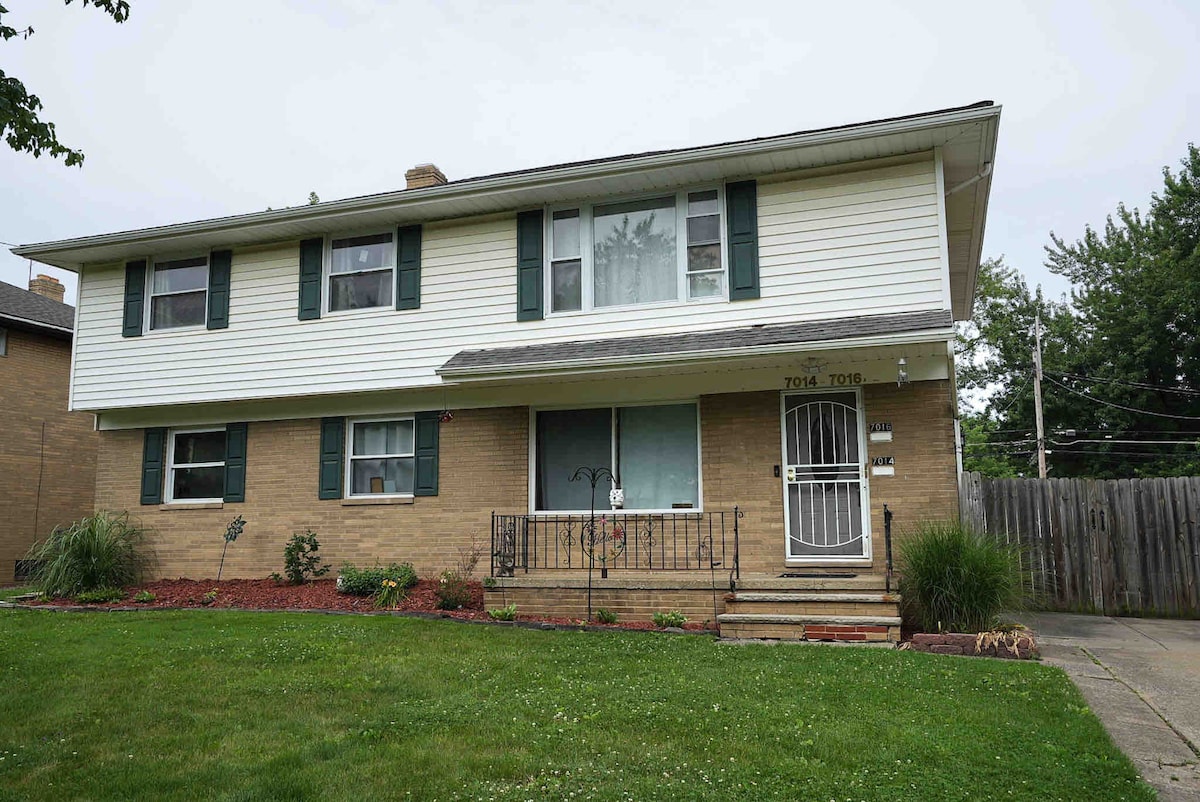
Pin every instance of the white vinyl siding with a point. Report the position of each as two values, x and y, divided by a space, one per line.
831 246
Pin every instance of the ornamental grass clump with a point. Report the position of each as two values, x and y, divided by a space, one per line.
956 580
101 551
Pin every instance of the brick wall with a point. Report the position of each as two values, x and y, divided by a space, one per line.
484 467
484 458
33 390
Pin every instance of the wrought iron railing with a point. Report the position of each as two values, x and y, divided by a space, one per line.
661 541
887 547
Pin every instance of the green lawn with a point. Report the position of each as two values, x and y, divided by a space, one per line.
240 706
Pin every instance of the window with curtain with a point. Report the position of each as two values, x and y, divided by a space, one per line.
361 271
381 457
179 293
652 450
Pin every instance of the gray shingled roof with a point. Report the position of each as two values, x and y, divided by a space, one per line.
34 310
624 348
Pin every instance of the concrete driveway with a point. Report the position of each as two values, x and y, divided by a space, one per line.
1142 678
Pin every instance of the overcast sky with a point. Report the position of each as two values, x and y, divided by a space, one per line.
203 108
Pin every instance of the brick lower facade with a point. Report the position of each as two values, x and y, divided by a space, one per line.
46 478
484 467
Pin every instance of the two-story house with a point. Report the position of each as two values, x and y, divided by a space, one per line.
763 325
47 455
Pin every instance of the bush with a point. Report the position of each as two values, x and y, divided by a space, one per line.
300 561
389 594
453 591
674 618
100 596
955 580
506 613
103 550
367 581
605 616
144 597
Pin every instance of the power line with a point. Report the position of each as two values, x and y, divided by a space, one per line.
1125 442
1119 406
1141 385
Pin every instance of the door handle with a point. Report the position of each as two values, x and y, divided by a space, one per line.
791 474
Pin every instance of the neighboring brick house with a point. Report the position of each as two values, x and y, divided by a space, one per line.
765 324
47 454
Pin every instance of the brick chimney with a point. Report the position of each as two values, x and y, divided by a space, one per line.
47 287
424 175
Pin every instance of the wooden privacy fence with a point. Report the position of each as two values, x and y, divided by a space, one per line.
1118 546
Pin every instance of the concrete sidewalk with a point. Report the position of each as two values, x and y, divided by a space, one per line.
1141 676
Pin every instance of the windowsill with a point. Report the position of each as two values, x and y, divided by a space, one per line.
366 310
192 505
599 310
362 501
149 332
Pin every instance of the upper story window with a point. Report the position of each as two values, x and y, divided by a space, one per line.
3 342
381 457
196 465
178 293
649 250
361 271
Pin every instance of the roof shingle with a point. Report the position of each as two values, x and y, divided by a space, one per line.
33 309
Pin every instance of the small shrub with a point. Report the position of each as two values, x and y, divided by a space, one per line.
100 596
453 591
235 528
104 550
673 618
606 616
209 598
955 580
506 613
489 582
367 581
300 562
389 594
144 597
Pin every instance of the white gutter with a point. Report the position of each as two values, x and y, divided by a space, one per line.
30 322
507 183
534 369
987 170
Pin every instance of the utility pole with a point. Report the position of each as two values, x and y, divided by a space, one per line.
1037 395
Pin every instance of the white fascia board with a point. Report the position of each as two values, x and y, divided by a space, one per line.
58 253
24 321
607 364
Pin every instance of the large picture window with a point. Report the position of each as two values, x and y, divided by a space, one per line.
649 250
179 293
381 457
653 451
196 465
361 271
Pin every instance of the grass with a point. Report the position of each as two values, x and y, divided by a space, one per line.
245 706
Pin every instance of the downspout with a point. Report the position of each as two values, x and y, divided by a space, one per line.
987 170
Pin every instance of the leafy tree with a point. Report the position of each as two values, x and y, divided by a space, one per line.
20 124
313 199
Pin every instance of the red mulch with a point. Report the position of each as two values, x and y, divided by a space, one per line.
321 594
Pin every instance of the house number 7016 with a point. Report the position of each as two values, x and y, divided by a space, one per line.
832 380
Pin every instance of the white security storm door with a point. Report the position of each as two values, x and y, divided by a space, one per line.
824 484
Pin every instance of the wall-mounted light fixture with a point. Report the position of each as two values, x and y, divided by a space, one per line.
812 366
902 372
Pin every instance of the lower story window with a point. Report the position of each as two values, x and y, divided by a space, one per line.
196 470
653 452
381 461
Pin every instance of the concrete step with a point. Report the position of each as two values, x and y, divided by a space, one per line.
802 620
817 608
810 596
847 584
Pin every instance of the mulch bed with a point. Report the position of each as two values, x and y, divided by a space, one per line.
318 595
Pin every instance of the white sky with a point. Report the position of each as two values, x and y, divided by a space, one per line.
202 108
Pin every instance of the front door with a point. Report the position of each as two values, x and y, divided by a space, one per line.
825 481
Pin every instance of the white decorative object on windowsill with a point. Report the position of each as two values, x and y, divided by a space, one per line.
616 498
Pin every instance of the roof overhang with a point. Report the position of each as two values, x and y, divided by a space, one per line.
966 137
25 324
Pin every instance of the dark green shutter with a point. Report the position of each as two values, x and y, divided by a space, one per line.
219 266
426 482
135 297
312 251
235 462
741 202
408 267
153 462
333 434
529 265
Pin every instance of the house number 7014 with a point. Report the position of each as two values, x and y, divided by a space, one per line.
832 380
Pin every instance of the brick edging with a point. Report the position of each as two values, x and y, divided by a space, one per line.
1010 646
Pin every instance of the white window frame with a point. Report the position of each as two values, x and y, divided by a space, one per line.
602 504
348 449
169 491
148 313
327 273
587 251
